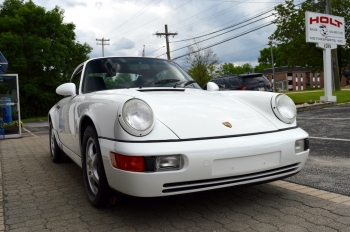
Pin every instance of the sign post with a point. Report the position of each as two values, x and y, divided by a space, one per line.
327 31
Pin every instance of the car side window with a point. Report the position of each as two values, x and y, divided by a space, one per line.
234 81
76 79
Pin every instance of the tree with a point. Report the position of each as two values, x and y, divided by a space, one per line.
229 69
41 49
265 59
290 33
200 63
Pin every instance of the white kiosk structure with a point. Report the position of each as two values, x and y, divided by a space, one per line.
10 115
327 31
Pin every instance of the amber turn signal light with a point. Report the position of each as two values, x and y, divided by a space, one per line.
128 163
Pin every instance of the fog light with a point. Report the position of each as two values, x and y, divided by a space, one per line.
299 146
168 163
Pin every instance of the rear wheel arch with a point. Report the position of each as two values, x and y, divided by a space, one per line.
50 120
57 155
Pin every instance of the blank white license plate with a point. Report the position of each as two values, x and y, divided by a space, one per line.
246 164
261 89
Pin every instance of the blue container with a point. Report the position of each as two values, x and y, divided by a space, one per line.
6 111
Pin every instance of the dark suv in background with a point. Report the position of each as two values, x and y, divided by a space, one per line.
252 81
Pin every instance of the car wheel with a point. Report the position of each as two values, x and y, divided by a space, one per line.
57 155
94 175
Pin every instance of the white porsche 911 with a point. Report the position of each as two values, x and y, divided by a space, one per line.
142 127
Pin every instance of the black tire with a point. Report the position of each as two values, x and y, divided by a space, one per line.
57 155
95 180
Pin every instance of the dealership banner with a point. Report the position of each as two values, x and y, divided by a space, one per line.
323 28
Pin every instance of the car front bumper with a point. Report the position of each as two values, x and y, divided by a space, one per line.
209 164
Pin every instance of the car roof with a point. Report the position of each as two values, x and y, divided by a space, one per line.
139 57
242 75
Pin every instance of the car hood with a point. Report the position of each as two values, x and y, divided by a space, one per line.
193 113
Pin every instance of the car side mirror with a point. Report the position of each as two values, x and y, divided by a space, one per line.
211 86
67 89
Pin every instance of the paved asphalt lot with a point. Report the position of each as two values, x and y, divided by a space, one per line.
38 195
328 166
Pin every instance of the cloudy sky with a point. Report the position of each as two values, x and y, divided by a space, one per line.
131 24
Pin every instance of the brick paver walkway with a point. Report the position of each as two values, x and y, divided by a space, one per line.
38 195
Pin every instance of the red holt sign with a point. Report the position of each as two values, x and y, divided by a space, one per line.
326 20
322 28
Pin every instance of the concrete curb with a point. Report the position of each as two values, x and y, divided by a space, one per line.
325 195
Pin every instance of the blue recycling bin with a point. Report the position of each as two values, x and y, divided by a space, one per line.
6 110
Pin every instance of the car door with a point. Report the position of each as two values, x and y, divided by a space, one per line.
68 129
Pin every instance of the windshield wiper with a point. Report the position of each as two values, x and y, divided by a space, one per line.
178 82
184 83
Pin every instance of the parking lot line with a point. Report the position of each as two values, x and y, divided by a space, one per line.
313 118
29 132
335 139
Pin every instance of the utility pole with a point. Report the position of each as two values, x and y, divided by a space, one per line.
166 35
103 44
336 73
273 68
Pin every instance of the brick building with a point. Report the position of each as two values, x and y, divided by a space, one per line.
297 78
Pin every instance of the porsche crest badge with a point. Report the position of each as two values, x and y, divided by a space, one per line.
227 124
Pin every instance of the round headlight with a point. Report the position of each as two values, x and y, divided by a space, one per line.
284 108
136 117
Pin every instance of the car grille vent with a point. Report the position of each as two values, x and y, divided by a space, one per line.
234 180
161 89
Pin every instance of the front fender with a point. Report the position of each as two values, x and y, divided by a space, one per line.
261 102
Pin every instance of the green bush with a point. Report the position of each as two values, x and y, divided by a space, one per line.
13 124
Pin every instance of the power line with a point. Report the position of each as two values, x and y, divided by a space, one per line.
181 21
207 18
241 1
157 49
199 21
222 33
225 40
230 38
269 8
242 51
226 28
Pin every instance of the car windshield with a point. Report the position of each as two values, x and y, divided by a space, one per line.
120 73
